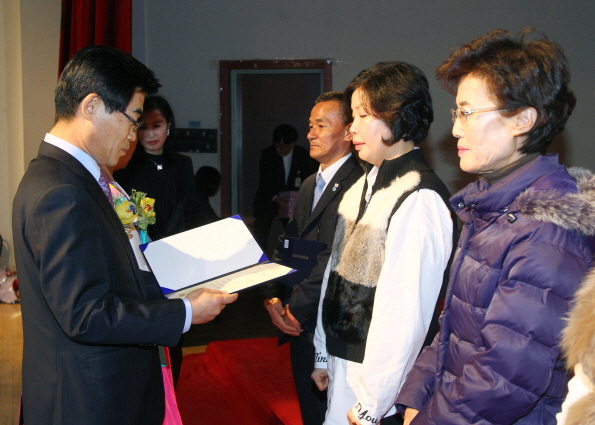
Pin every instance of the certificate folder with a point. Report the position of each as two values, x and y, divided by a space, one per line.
302 255
222 255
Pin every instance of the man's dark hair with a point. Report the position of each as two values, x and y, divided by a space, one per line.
284 133
526 70
346 116
207 180
398 94
111 73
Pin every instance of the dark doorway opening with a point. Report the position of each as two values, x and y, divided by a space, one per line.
255 97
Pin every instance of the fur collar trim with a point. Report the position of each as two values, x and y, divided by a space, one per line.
574 211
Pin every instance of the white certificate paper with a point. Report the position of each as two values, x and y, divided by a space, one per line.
222 255
239 280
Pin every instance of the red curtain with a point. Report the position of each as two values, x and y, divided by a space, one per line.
94 22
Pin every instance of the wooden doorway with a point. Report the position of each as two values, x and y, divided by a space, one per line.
255 97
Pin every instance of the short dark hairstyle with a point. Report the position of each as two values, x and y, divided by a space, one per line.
207 180
111 73
346 116
526 70
397 93
284 133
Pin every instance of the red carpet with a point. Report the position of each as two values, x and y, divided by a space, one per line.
247 381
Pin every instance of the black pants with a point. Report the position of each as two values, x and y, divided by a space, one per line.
312 401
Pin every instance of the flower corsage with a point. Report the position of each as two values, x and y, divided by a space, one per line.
138 210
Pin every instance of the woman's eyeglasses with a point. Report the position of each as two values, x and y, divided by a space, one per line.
463 113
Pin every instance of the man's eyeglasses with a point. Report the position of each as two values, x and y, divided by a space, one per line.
137 124
463 113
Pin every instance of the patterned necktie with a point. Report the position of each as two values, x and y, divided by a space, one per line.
104 182
318 191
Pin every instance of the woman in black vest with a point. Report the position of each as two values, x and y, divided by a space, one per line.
391 248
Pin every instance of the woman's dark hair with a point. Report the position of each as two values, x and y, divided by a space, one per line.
111 73
398 94
158 103
526 70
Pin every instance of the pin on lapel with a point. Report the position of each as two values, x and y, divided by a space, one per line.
335 186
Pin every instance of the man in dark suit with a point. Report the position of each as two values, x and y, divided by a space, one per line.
90 328
283 167
315 218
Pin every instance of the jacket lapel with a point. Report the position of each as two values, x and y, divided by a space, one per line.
333 188
103 205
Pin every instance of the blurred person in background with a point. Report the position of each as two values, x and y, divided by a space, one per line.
160 172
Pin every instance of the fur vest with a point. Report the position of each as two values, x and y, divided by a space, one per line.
358 254
579 345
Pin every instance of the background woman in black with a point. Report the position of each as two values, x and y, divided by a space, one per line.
166 176
161 173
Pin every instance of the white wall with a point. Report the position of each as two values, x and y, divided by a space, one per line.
185 40
29 47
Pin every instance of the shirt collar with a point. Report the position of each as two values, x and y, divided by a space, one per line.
330 171
81 156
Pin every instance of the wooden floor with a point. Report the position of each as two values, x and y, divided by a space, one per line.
246 318
11 351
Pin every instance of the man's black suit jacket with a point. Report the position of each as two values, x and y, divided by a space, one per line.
272 178
318 225
90 331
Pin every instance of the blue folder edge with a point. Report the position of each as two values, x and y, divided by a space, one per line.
262 259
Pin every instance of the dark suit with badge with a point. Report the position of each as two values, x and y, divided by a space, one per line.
303 298
90 328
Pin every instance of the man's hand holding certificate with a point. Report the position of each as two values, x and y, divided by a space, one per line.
221 256
208 303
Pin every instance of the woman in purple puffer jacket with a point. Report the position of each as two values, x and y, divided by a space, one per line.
527 240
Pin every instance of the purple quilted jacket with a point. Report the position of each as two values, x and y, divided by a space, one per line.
526 242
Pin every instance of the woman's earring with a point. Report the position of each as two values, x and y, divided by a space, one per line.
168 131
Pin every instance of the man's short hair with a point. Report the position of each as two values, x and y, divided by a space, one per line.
526 70
284 133
345 110
397 93
111 73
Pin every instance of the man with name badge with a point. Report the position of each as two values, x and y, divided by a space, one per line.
293 310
